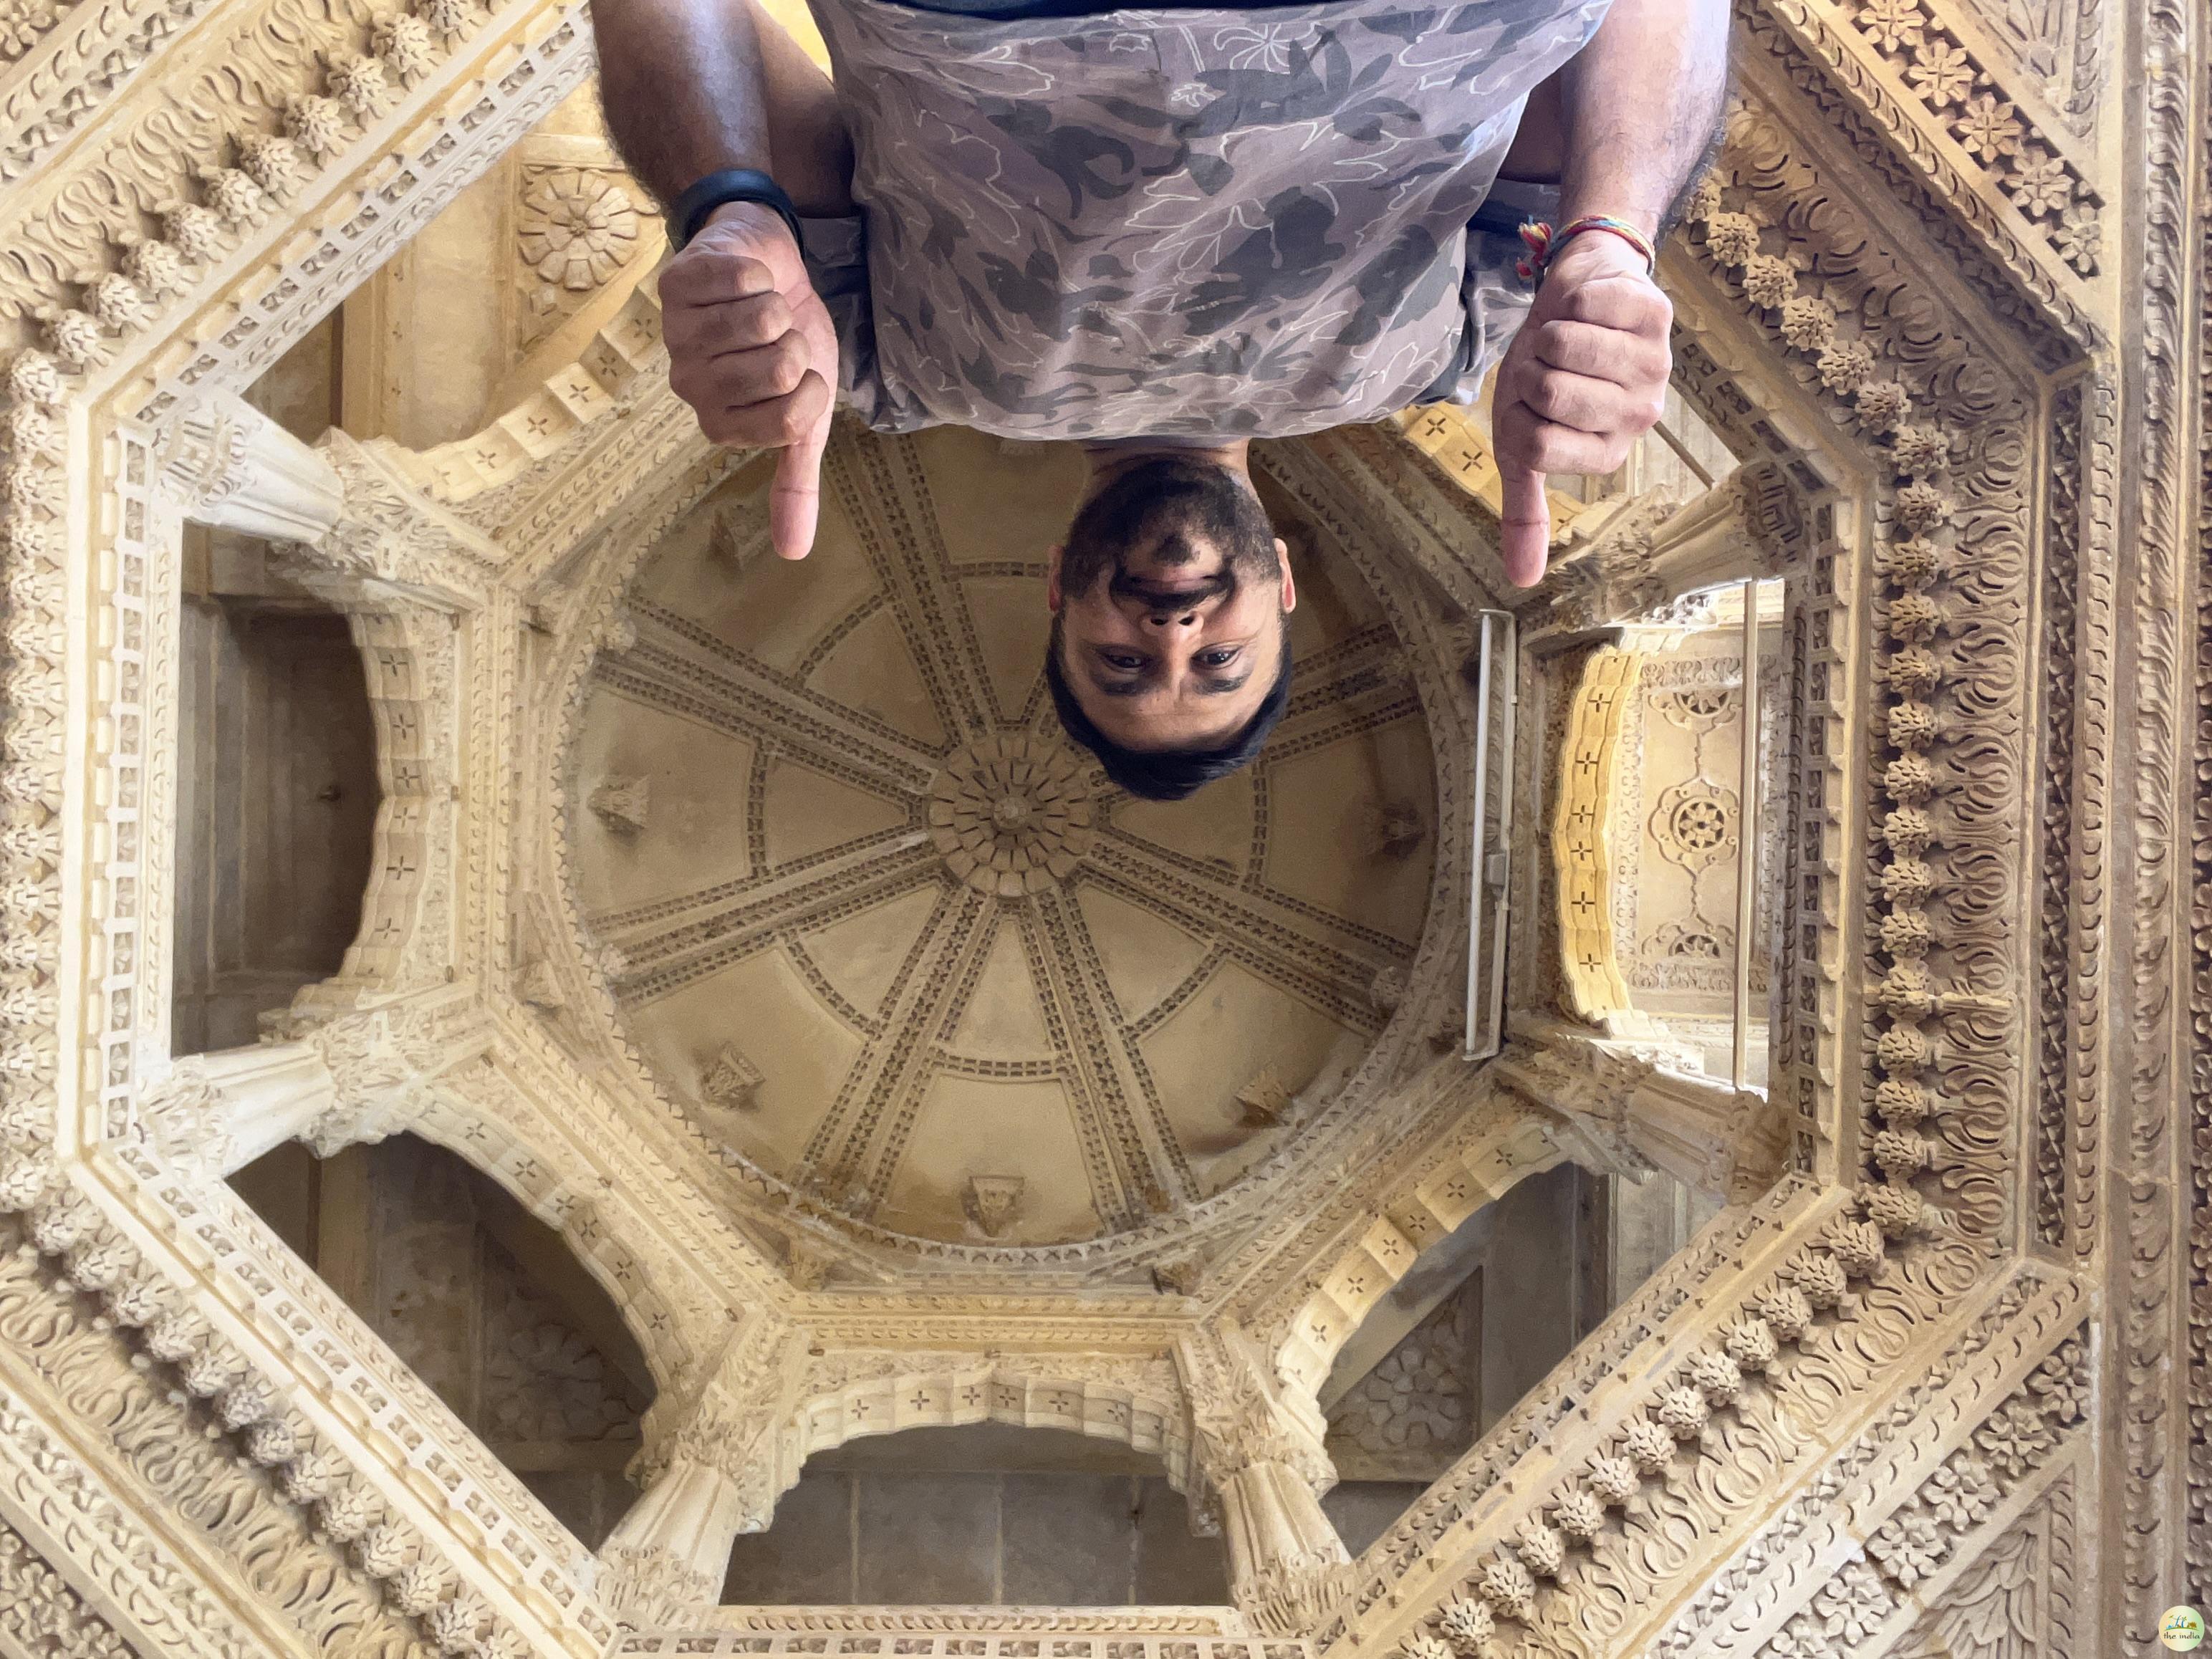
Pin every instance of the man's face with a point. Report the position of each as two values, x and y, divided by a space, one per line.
1173 639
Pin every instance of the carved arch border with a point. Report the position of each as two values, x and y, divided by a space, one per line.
1492 1146
1114 1401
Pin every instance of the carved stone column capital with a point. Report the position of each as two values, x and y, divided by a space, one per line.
381 1061
184 1115
227 463
1649 551
644 1588
1642 1105
390 533
667 1556
1241 1415
732 1421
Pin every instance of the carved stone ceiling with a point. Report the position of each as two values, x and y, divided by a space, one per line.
887 937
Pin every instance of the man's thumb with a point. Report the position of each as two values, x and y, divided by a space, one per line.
1524 525
794 500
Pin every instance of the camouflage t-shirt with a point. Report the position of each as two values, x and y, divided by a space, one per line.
1193 222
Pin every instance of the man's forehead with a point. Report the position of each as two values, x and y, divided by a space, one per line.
1175 545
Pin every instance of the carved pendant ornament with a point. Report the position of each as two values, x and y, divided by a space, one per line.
753 928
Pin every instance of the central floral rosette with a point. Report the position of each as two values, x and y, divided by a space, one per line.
1011 814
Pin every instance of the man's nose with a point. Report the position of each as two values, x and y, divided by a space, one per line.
1165 618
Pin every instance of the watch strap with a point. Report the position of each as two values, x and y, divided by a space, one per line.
689 210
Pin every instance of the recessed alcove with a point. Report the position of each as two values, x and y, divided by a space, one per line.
276 810
482 1301
984 1515
1481 1318
276 775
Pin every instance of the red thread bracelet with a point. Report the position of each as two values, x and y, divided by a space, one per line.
1544 243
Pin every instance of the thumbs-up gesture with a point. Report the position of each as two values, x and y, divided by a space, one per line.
751 349
1584 378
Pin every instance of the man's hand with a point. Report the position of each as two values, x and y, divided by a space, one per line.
1584 378
751 349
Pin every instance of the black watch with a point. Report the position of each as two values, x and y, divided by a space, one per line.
689 210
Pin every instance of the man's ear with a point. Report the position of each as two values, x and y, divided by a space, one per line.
1052 579
1290 582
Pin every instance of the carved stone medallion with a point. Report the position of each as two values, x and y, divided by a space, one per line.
1011 814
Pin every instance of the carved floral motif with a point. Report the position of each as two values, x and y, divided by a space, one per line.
578 226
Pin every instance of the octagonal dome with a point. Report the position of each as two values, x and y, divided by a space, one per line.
886 937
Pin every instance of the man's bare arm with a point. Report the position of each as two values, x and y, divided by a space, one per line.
681 83
1641 103
1586 374
691 86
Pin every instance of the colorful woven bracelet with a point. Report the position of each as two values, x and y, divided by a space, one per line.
1544 243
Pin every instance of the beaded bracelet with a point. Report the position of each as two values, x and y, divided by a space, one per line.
1544 243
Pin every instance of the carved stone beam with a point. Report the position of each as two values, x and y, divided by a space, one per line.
224 463
1260 1448
391 538
1645 1105
213 1113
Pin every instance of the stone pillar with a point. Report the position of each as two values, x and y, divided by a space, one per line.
331 1083
231 466
713 1463
1286 1565
668 1556
1261 1451
216 1113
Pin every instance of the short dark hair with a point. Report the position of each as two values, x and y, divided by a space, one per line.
1167 773
1171 499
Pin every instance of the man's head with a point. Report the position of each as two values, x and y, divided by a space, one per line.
1171 655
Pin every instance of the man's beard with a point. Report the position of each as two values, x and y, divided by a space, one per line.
1169 505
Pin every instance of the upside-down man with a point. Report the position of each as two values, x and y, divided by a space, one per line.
1162 233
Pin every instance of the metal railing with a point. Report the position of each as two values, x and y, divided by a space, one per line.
1490 862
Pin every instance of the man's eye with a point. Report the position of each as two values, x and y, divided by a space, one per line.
1220 658
1128 665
